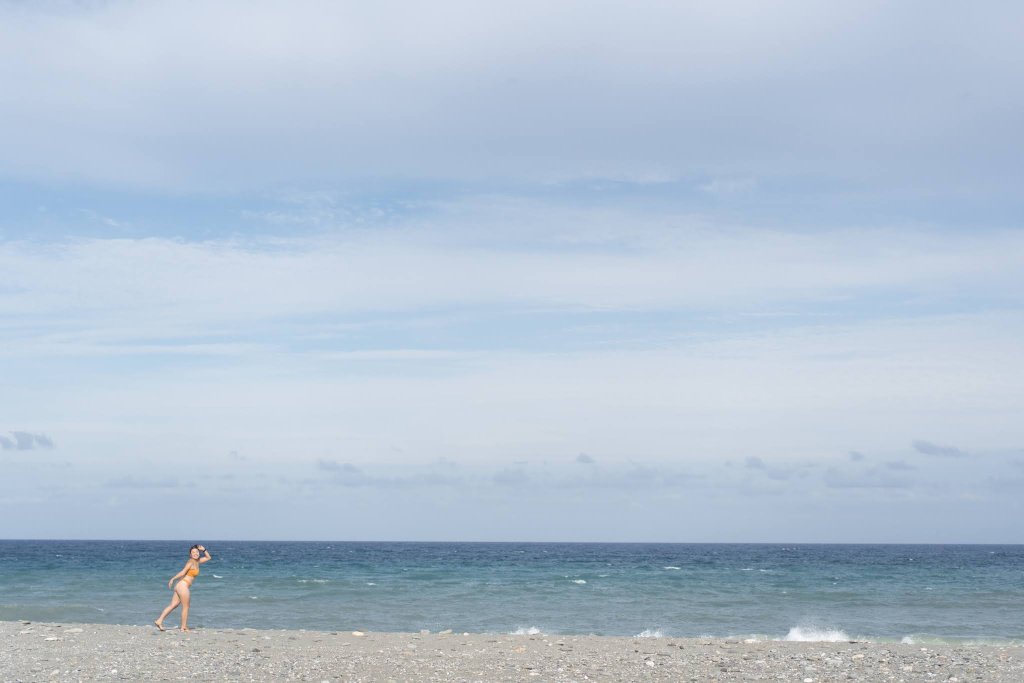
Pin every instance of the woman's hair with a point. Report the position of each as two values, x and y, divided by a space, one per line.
195 547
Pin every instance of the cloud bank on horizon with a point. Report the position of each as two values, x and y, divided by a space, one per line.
440 272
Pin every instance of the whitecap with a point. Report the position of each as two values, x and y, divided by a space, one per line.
808 634
370 583
527 631
670 568
579 581
747 569
314 580
648 633
217 576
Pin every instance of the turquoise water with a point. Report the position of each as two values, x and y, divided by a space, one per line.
872 592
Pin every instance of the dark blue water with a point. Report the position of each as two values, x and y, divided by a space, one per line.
877 592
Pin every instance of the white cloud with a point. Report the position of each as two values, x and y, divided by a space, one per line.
404 335
793 395
232 94
871 479
726 187
88 294
24 441
357 335
929 448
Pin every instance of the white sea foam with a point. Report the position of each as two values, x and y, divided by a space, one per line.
579 581
907 640
217 576
809 634
648 633
314 580
670 568
527 631
370 583
747 569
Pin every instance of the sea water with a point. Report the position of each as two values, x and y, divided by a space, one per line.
911 593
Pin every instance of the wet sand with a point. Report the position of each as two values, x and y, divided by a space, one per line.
87 652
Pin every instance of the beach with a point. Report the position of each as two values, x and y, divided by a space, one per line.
71 652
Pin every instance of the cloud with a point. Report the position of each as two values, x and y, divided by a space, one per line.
511 477
636 477
855 456
1004 484
152 296
727 187
335 466
453 92
929 448
347 474
776 473
899 466
135 483
872 479
25 441
440 158
520 477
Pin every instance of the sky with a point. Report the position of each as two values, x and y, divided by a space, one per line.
584 271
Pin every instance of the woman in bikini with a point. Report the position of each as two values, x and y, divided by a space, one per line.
181 591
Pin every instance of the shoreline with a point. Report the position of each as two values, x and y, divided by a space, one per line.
72 652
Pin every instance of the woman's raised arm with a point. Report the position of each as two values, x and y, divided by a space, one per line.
205 558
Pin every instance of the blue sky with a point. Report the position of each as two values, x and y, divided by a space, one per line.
593 271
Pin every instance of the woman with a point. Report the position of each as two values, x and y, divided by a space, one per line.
181 591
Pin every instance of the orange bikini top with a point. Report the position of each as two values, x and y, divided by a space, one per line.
193 572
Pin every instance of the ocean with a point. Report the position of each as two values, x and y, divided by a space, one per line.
909 593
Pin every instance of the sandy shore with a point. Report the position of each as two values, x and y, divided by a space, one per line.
71 652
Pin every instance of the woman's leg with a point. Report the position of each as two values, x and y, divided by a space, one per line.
182 590
175 600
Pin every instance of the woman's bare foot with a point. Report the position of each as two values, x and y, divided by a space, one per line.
159 625
186 628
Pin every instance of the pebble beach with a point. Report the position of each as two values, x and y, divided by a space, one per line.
91 652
